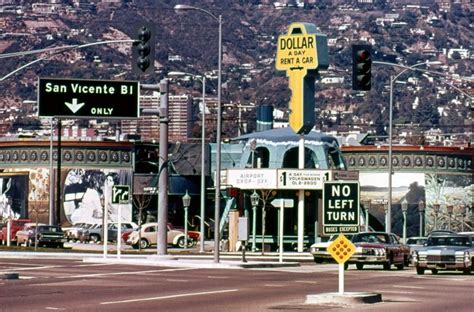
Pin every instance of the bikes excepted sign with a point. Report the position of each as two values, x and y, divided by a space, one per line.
340 207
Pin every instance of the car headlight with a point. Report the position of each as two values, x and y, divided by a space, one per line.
467 257
380 252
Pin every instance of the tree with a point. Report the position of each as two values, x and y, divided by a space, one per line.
141 201
426 114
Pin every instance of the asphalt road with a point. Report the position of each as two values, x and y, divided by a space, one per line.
73 285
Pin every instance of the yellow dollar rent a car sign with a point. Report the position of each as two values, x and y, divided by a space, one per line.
297 51
300 53
341 249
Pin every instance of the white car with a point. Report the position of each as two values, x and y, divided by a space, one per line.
319 250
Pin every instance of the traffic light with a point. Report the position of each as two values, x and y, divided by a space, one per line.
361 67
143 51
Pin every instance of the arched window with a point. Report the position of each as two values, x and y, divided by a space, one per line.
290 160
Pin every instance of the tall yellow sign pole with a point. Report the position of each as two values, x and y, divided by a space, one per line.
300 53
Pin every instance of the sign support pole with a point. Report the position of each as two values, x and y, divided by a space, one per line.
301 196
119 230
341 279
282 213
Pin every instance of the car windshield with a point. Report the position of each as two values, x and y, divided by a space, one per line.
46 228
449 241
416 241
370 238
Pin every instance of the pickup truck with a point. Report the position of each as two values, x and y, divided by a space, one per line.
379 248
15 226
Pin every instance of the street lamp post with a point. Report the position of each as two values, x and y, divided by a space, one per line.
421 210
388 215
449 209
219 125
404 211
186 203
203 156
463 215
254 201
369 202
436 211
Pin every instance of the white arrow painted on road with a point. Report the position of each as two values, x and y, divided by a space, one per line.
74 106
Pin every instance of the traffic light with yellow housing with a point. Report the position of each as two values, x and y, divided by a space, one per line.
361 67
143 51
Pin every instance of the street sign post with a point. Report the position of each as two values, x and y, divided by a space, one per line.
120 195
282 203
79 98
340 207
341 249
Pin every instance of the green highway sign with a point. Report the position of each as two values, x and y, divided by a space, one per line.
120 194
79 98
340 207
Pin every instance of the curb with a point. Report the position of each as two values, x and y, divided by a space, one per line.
347 298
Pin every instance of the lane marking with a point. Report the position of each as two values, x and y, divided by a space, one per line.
396 292
442 278
273 285
32 268
409 287
217 277
93 264
124 273
306 282
176 280
54 308
171 296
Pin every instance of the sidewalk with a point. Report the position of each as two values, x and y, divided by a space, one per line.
191 258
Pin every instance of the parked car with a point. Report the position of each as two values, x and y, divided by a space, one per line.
72 233
319 250
147 236
378 248
15 226
94 234
415 243
445 252
45 235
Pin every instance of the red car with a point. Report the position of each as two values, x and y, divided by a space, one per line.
15 226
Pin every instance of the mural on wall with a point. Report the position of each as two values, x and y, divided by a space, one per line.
455 190
449 190
409 186
13 195
84 192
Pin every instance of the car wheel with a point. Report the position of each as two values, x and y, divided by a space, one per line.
434 271
346 265
400 266
318 260
387 265
407 261
359 266
420 271
180 242
94 238
60 245
144 243
466 271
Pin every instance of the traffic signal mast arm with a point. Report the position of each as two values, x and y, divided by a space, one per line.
62 49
